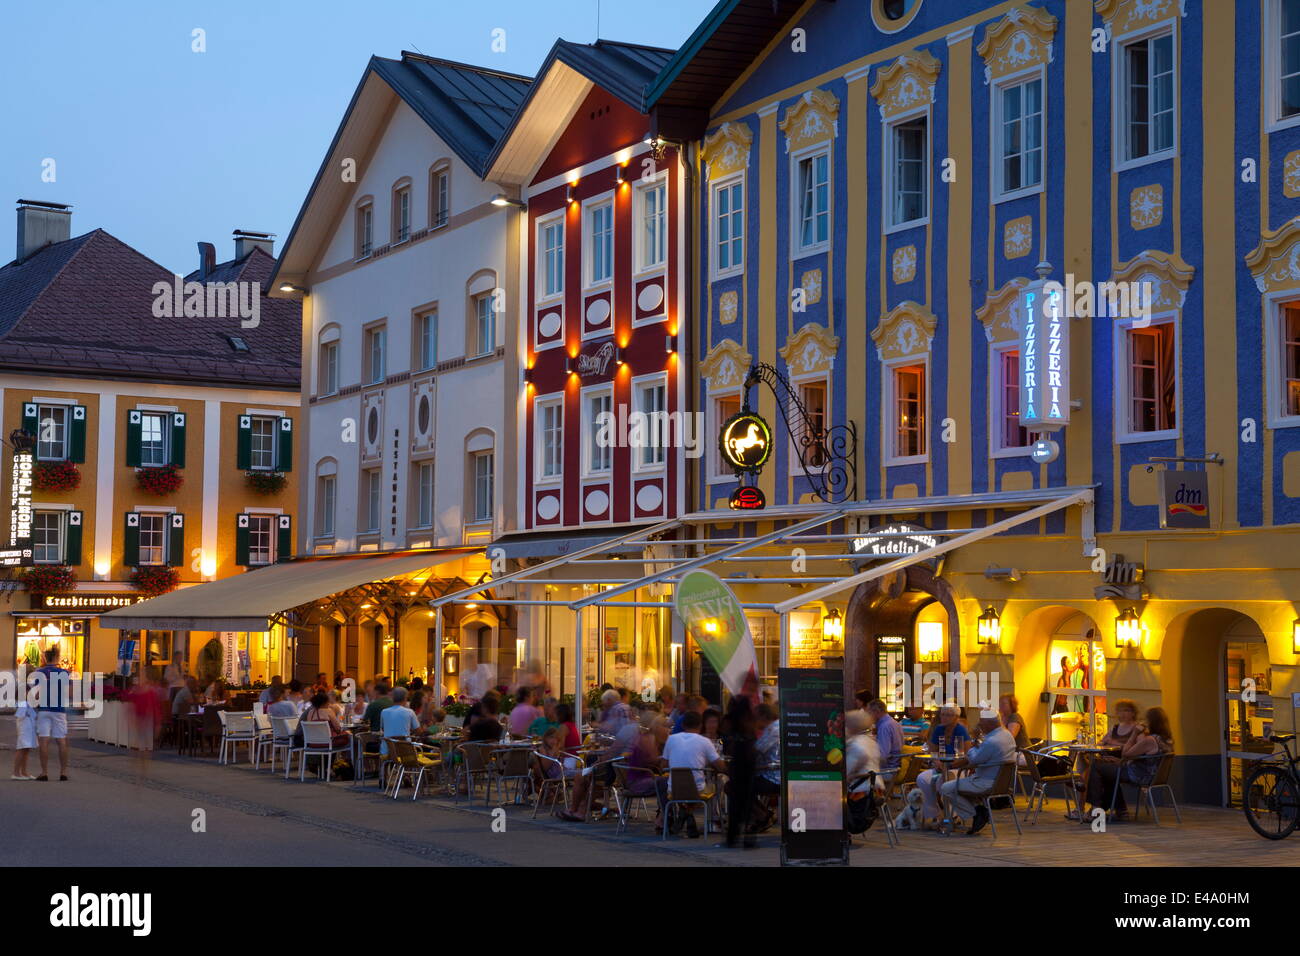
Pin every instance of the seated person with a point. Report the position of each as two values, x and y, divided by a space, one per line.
487 725
997 747
861 752
187 698
914 723
1142 746
216 692
545 720
399 720
601 769
319 709
691 750
279 707
947 736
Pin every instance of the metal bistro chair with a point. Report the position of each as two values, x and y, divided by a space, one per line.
363 757
318 742
474 765
883 810
1003 786
238 729
1038 783
408 761
1146 791
624 795
509 766
280 740
545 785
683 792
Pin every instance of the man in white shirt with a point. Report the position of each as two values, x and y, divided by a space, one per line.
691 750
997 748
398 720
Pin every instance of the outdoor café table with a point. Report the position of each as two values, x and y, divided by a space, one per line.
1081 757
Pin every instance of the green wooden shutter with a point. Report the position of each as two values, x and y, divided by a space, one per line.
131 540
77 434
31 414
284 539
241 540
284 447
244 453
176 541
133 438
178 439
72 539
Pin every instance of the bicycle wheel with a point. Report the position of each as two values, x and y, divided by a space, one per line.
1271 800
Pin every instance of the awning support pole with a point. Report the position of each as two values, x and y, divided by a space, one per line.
579 697
438 686
785 639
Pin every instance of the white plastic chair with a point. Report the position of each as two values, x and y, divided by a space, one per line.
318 741
279 739
237 729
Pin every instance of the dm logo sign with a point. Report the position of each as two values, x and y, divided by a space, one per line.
745 442
1184 499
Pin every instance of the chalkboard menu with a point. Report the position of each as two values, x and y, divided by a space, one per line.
812 765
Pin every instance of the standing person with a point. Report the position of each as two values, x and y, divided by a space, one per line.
890 738
767 781
25 723
52 714
743 768
995 749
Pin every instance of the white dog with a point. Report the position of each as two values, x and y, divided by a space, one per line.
909 818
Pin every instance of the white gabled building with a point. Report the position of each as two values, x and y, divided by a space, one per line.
408 273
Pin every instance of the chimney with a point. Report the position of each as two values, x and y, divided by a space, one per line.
207 259
246 242
40 224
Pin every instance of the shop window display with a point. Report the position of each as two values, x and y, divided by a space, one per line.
1248 719
1076 681
37 635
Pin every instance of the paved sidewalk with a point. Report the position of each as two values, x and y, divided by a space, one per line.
108 815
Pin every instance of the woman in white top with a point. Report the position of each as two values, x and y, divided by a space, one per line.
861 752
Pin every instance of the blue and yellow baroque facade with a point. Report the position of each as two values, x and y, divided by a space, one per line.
1209 221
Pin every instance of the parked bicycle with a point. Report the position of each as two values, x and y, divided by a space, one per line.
1271 792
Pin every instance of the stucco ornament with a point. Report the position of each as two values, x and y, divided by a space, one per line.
904 264
906 83
1021 39
1146 206
1165 274
1122 16
1291 175
728 307
1017 237
813 119
811 349
997 314
1275 263
726 365
905 330
811 283
726 149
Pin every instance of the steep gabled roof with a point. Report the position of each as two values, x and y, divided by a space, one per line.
569 71
84 306
469 107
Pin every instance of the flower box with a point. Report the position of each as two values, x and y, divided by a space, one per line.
265 482
55 477
160 481
49 578
155 579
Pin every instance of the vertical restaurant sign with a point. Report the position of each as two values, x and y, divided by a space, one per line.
713 616
812 765
1044 358
229 652
1184 499
20 505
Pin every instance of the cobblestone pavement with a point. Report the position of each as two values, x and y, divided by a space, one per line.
118 809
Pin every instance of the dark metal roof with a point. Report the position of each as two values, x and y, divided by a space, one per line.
723 46
468 106
624 69
84 307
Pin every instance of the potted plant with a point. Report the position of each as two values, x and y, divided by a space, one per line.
155 579
55 476
265 482
162 480
49 578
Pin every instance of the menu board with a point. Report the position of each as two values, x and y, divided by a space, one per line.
812 765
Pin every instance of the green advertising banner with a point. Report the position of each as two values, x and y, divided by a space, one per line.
716 620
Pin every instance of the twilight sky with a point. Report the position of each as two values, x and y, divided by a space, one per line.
164 147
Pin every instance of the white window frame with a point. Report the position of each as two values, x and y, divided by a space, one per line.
553 400
997 408
718 472
728 183
1273 70
998 188
589 427
421 469
797 385
61 535
1121 360
329 367
640 241
640 385
1275 386
545 223
373 486
375 334
887 180
480 324
162 517
275 442
429 318
66 440
811 154
165 434
890 431
271 534
589 211
1119 96
485 515
327 488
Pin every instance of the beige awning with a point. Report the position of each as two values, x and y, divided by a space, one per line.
248 601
